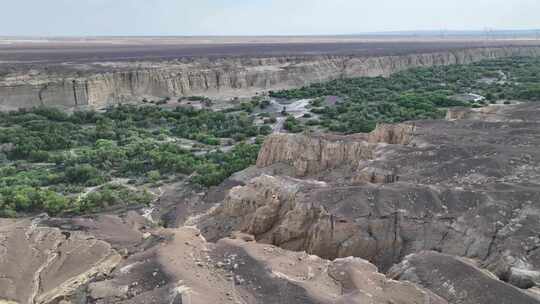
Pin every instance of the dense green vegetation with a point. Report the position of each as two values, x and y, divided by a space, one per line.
418 93
292 125
47 157
88 161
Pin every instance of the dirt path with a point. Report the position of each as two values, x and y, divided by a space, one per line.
297 109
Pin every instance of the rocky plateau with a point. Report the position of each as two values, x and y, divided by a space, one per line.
105 83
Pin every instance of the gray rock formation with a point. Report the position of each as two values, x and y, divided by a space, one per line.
41 264
466 188
316 153
44 264
224 77
187 269
456 280
313 154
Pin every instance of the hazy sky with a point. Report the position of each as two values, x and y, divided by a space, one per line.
259 17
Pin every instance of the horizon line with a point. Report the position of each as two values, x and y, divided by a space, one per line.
435 32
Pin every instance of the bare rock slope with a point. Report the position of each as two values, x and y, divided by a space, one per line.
40 263
444 275
467 188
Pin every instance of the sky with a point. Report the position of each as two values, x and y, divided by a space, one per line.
259 17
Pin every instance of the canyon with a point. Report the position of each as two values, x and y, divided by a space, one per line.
101 83
438 211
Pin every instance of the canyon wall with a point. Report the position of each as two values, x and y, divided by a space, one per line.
315 153
220 77
311 155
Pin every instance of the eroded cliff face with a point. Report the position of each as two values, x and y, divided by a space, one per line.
381 224
309 155
224 77
465 188
313 154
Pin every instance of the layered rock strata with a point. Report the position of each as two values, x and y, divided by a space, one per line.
312 154
223 77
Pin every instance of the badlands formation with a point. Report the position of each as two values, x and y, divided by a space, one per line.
423 195
431 211
421 212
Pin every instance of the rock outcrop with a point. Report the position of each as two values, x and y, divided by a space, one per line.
381 223
465 188
491 113
187 269
41 264
457 281
221 77
313 154
49 265
394 134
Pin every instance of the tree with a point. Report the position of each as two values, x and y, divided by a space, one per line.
293 125
54 203
153 176
105 129
83 174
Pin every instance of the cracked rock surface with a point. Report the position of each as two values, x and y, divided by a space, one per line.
39 264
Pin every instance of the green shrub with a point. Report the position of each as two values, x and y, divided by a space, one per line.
84 174
291 124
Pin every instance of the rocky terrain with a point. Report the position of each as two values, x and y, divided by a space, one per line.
438 273
465 188
108 260
427 211
434 211
101 83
